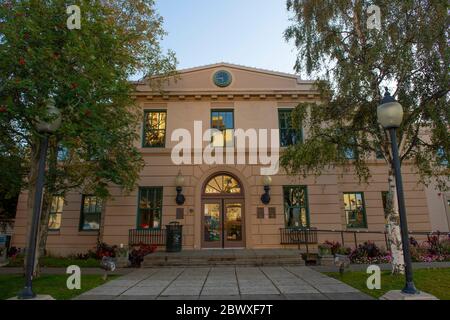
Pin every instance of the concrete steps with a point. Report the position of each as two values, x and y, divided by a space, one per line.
276 257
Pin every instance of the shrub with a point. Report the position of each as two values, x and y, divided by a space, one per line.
369 253
137 255
335 248
104 250
13 252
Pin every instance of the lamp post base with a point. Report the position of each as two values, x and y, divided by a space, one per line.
399 295
410 288
26 294
37 297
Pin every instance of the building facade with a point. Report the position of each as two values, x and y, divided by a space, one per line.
223 206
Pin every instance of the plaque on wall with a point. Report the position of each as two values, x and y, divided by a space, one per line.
180 213
260 213
272 213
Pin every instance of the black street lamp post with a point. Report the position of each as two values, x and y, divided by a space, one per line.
45 129
390 116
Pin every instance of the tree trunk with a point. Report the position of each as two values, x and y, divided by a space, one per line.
393 227
41 243
43 232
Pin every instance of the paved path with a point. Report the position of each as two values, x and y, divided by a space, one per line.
225 283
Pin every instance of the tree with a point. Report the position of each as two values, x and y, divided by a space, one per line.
12 171
86 71
409 54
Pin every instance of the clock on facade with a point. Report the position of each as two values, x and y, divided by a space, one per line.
222 78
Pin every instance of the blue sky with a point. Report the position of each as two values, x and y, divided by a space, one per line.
247 32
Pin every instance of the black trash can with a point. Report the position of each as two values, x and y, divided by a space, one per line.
174 237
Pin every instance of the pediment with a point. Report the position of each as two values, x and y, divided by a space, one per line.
243 79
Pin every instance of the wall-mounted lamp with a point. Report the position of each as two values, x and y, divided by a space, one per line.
265 198
179 182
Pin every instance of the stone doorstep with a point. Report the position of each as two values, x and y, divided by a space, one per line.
37 298
398 295
148 264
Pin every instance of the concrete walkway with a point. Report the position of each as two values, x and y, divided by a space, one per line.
225 283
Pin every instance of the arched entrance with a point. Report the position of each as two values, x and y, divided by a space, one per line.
223 212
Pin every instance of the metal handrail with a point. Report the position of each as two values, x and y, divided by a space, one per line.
286 233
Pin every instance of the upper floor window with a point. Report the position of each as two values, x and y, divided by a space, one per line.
63 153
288 134
355 210
441 157
296 206
150 207
379 154
55 215
223 120
154 129
91 211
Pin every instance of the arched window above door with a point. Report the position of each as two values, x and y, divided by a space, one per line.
223 184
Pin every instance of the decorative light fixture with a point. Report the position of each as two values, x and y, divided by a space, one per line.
45 128
390 112
265 198
390 116
54 116
179 182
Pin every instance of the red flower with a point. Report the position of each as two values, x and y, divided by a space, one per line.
74 85
3 109
22 61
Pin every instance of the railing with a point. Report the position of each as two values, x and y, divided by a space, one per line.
299 236
147 236
309 236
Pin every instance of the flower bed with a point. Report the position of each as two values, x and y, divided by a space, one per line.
434 249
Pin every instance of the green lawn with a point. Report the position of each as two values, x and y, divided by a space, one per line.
433 281
54 285
56 262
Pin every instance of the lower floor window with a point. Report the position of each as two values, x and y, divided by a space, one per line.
91 212
355 211
150 208
296 207
55 214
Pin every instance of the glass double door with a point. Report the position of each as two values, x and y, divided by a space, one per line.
223 223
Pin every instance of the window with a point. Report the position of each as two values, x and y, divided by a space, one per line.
288 135
379 154
349 150
56 209
441 157
63 153
154 129
223 120
223 184
355 211
150 208
91 211
296 207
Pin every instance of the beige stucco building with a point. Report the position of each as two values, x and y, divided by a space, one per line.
223 206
